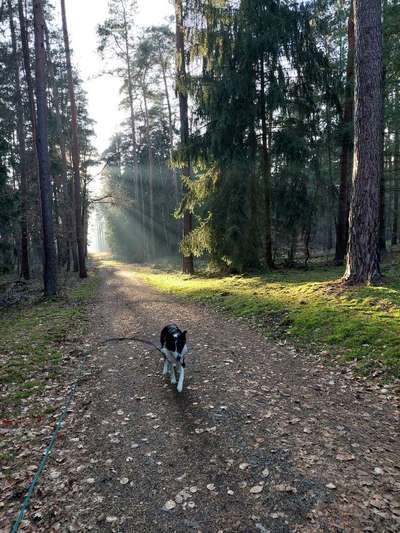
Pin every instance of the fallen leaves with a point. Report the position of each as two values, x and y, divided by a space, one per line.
285 487
257 488
169 505
265 452
345 457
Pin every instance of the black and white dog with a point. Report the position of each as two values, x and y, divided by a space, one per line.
173 346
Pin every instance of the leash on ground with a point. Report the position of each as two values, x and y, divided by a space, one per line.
59 424
144 341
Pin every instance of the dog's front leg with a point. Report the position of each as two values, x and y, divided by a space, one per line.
165 369
172 373
179 387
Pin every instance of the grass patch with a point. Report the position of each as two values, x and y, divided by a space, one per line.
31 337
359 324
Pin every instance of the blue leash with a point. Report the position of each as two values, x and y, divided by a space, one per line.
60 422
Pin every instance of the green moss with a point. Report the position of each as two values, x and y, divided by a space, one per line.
31 335
361 324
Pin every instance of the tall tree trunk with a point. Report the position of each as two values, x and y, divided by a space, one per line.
170 126
396 187
362 258
73 243
28 74
74 150
50 257
181 87
33 168
251 238
85 214
22 152
266 165
67 208
382 218
342 227
151 168
140 194
58 228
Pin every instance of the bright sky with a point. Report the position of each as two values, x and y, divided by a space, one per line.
103 92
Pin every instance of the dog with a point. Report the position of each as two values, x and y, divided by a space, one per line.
173 346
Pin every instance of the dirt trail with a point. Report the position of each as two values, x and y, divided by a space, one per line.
261 440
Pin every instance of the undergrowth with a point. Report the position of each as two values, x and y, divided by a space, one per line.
360 325
31 337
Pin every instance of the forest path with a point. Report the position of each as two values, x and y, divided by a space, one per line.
261 439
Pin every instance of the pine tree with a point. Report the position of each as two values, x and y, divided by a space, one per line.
25 271
50 257
181 89
79 226
362 259
346 156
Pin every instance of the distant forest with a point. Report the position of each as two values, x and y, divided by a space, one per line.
257 148
257 133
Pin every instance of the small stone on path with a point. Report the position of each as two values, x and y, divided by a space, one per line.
169 505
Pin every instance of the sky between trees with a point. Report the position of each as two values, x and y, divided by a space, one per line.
103 91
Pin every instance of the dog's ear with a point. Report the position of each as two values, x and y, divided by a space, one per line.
184 333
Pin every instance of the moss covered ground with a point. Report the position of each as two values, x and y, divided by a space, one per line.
359 325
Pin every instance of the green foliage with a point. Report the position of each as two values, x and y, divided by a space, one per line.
361 324
13 105
245 47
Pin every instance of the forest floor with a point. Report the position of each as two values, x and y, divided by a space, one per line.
264 437
359 327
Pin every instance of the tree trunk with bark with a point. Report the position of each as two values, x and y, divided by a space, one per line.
170 126
32 162
362 264
187 261
342 227
137 173
28 74
67 208
75 150
266 165
382 215
396 188
50 256
150 157
25 272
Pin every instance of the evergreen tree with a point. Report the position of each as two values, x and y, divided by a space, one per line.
362 259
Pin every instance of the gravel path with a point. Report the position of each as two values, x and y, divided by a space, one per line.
262 439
